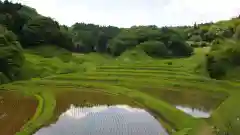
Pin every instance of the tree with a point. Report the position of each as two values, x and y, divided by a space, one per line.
152 37
90 37
179 47
9 16
195 26
117 47
222 58
209 36
41 30
154 48
196 38
27 12
102 42
11 55
85 40
65 39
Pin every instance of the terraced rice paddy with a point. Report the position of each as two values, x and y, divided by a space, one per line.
173 91
15 111
84 98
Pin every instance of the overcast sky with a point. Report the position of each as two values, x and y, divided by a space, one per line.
125 13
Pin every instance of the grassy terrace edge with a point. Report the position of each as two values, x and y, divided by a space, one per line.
44 110
43 90
46 99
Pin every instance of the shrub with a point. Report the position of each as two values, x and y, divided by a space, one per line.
222 58
196 38
154 48
169 63
216 68
179 47
118 46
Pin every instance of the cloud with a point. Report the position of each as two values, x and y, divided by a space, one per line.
190 11
125 13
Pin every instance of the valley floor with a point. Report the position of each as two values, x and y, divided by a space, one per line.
147 82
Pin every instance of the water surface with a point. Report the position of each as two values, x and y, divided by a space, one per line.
15 111
195 112
104 120
88 98
196 103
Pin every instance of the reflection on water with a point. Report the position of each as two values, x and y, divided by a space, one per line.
197 113
104 120
197 103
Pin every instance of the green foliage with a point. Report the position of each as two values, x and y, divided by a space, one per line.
27 13
46 60
50 51
145 33
209 36
85 41
89 37
154 48
223 57
216 69
237 33
179 47
133 55
209 32
134 74
9 16
117 46
129 38
196 38
198 44
65 39
11 55
3 78
122 42
40 30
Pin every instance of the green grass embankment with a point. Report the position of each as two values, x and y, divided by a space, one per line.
44 110
133 78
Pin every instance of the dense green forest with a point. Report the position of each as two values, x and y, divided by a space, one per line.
23 27
193 64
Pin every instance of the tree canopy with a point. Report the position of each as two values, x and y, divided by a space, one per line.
23 26
135 36
91 38
40 30
11 55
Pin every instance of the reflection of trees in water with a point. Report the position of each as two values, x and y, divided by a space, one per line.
87 99
202 100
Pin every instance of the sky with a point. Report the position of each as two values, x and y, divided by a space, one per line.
126 13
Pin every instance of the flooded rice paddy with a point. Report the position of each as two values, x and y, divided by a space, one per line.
197 113
104 120
199 104
15 111
97 113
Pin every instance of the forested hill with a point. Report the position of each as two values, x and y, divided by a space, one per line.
21 27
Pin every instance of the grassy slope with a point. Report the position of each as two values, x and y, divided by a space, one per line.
98 72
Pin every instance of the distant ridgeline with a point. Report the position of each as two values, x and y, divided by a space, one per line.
21 27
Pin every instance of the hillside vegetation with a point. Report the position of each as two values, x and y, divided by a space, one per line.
42 59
